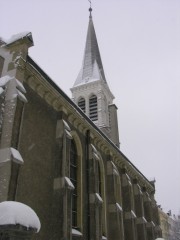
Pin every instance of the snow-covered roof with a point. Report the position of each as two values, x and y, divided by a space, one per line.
17 37
18 213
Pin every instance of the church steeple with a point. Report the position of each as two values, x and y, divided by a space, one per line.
91 91
92 67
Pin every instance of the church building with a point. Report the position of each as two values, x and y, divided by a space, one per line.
61 156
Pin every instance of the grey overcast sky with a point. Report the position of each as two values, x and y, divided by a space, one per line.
139 42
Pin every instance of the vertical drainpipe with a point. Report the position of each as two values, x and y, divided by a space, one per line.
87 181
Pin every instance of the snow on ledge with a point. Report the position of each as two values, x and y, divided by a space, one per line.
17 37
18 213
8 154
76 232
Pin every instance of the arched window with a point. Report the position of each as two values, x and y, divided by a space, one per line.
93 113
73 178
82 104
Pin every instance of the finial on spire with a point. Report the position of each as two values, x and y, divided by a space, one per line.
90 9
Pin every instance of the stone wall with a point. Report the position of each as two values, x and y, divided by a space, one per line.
114 200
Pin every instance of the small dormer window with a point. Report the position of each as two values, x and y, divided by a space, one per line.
82 105
93 113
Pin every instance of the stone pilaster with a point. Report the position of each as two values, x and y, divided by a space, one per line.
63 187
95 200
11 110
13 92
115 212
114 124
150 226
128 207
155 217
139 210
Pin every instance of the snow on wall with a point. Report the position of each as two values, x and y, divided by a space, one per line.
8 154
18 213
14 88
4 80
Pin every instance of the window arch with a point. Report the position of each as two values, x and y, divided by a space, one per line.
93 108
82 104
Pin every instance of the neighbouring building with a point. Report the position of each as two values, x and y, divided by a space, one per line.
61 157
170 225
164 224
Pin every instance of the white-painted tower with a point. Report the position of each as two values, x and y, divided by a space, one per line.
91 91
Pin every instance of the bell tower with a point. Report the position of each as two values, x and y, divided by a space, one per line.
91 91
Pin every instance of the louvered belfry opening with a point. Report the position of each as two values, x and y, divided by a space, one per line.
82 104
93 113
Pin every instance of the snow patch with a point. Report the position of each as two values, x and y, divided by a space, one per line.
104 238
98 197
16 156
18 213
69 183
16 37
76 232
6 154
14 88
4 80
20 86
21 96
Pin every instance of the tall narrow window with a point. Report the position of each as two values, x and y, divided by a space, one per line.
93 113
1 65
73 177
82 105
99 183
100 190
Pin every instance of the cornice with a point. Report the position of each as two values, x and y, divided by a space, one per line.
44 89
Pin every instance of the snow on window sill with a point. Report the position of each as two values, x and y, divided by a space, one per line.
76 232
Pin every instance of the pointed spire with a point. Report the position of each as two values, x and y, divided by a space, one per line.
92 67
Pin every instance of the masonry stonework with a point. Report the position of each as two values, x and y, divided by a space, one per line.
59 162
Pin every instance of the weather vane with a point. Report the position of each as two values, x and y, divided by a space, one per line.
90 3
90 9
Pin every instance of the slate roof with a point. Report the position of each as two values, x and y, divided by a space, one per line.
92 68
